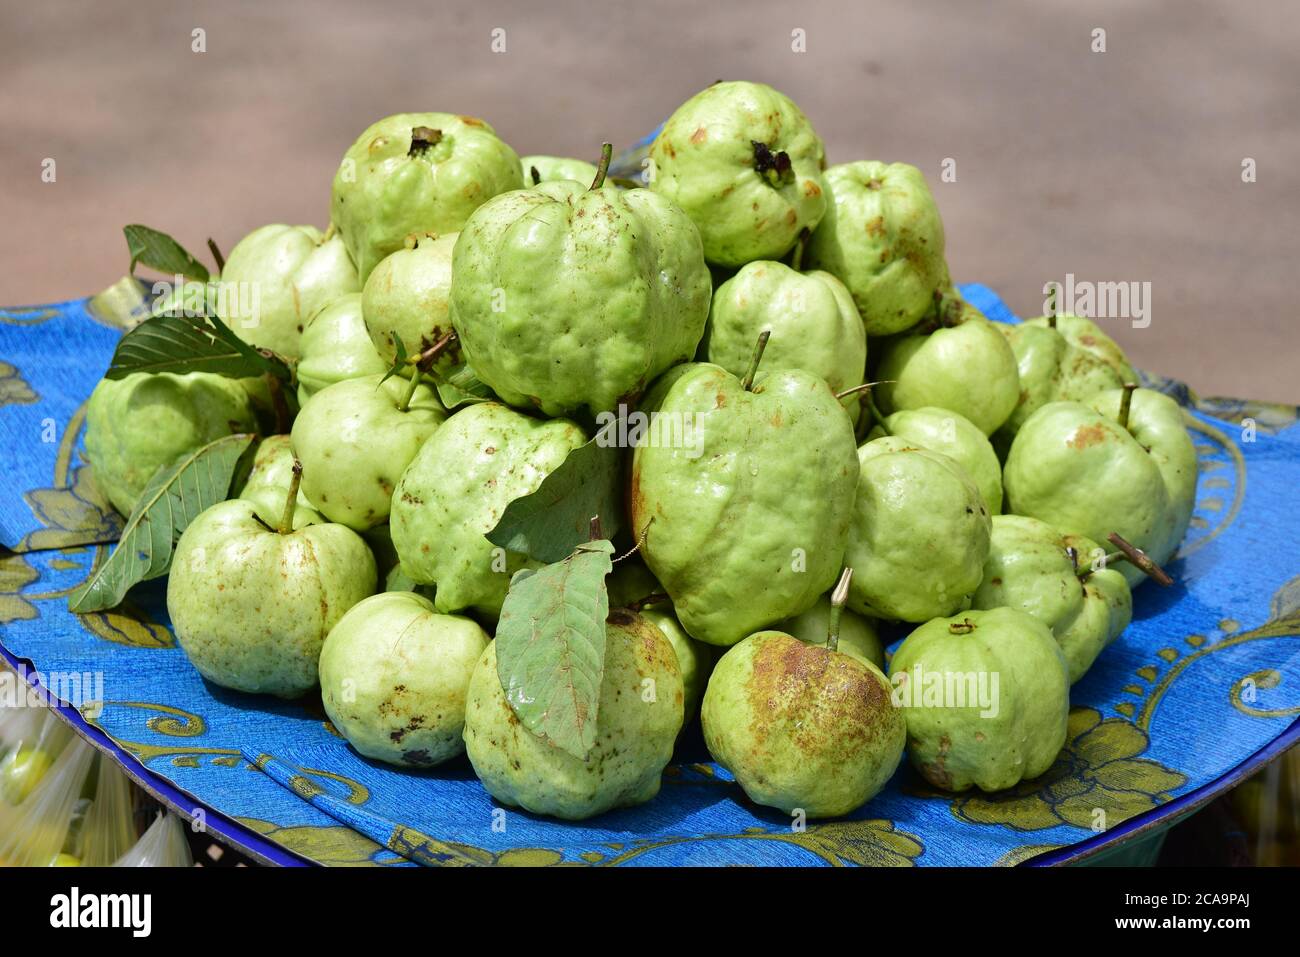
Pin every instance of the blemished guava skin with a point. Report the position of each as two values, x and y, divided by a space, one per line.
705 161
454 492
745 522
957 748
1029 568
408 296
335 346
634 736
251 607
394 677
1158 424
1083 473
1073 362
138 423
919 533
552 168
858 636
276 278
966 366
388 187
355 442
568 298
802 727
953 435
813 322
882 236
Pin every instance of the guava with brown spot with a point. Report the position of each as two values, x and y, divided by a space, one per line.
408 298
802 727
394 678
985 695
251 603
637 721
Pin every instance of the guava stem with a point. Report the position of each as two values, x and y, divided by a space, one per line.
839 595
594 530
796 261
286 519
877 414
1135 556
602 169
537 177
422 137
1126 403
963 627
654 598
747 383
330 230
865 387
219 259
410 391
426 357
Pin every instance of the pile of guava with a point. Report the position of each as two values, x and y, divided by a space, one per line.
551 463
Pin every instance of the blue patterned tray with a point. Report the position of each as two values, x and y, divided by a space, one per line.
1199 692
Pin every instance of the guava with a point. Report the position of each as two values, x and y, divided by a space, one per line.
454 492
813 323
335 346
695 659
138 423
568 298
882 236
802 727
634 739
272 470
919 533
986 698
1070 360
742 497
408 297
551 168
745 165
1083 602
953 435
858 636
251 605
964 365
1086 474
355 439
278 277
394 675
415 173
20 771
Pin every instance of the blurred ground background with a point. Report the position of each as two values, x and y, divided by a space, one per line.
1116 166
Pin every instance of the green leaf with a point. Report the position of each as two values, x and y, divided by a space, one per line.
550 645
180 344
399 363
159 251
548 523
460 387
175 495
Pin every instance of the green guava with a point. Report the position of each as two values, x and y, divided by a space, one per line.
335 346
273 469
742 498
355 439
813 323
801 727
986 698
415 173
953 435
408 297
394 676
882 236
964 365
251 605
745 165
919 533
567 298
1030 568
278 277
858 636
695 659
634 740
139 423
551 168
454 492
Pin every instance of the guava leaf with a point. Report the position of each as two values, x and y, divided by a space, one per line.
399 362
548 523
175 495
180 344
159 251
460 387
550 645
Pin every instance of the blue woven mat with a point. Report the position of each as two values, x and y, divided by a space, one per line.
1201 686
